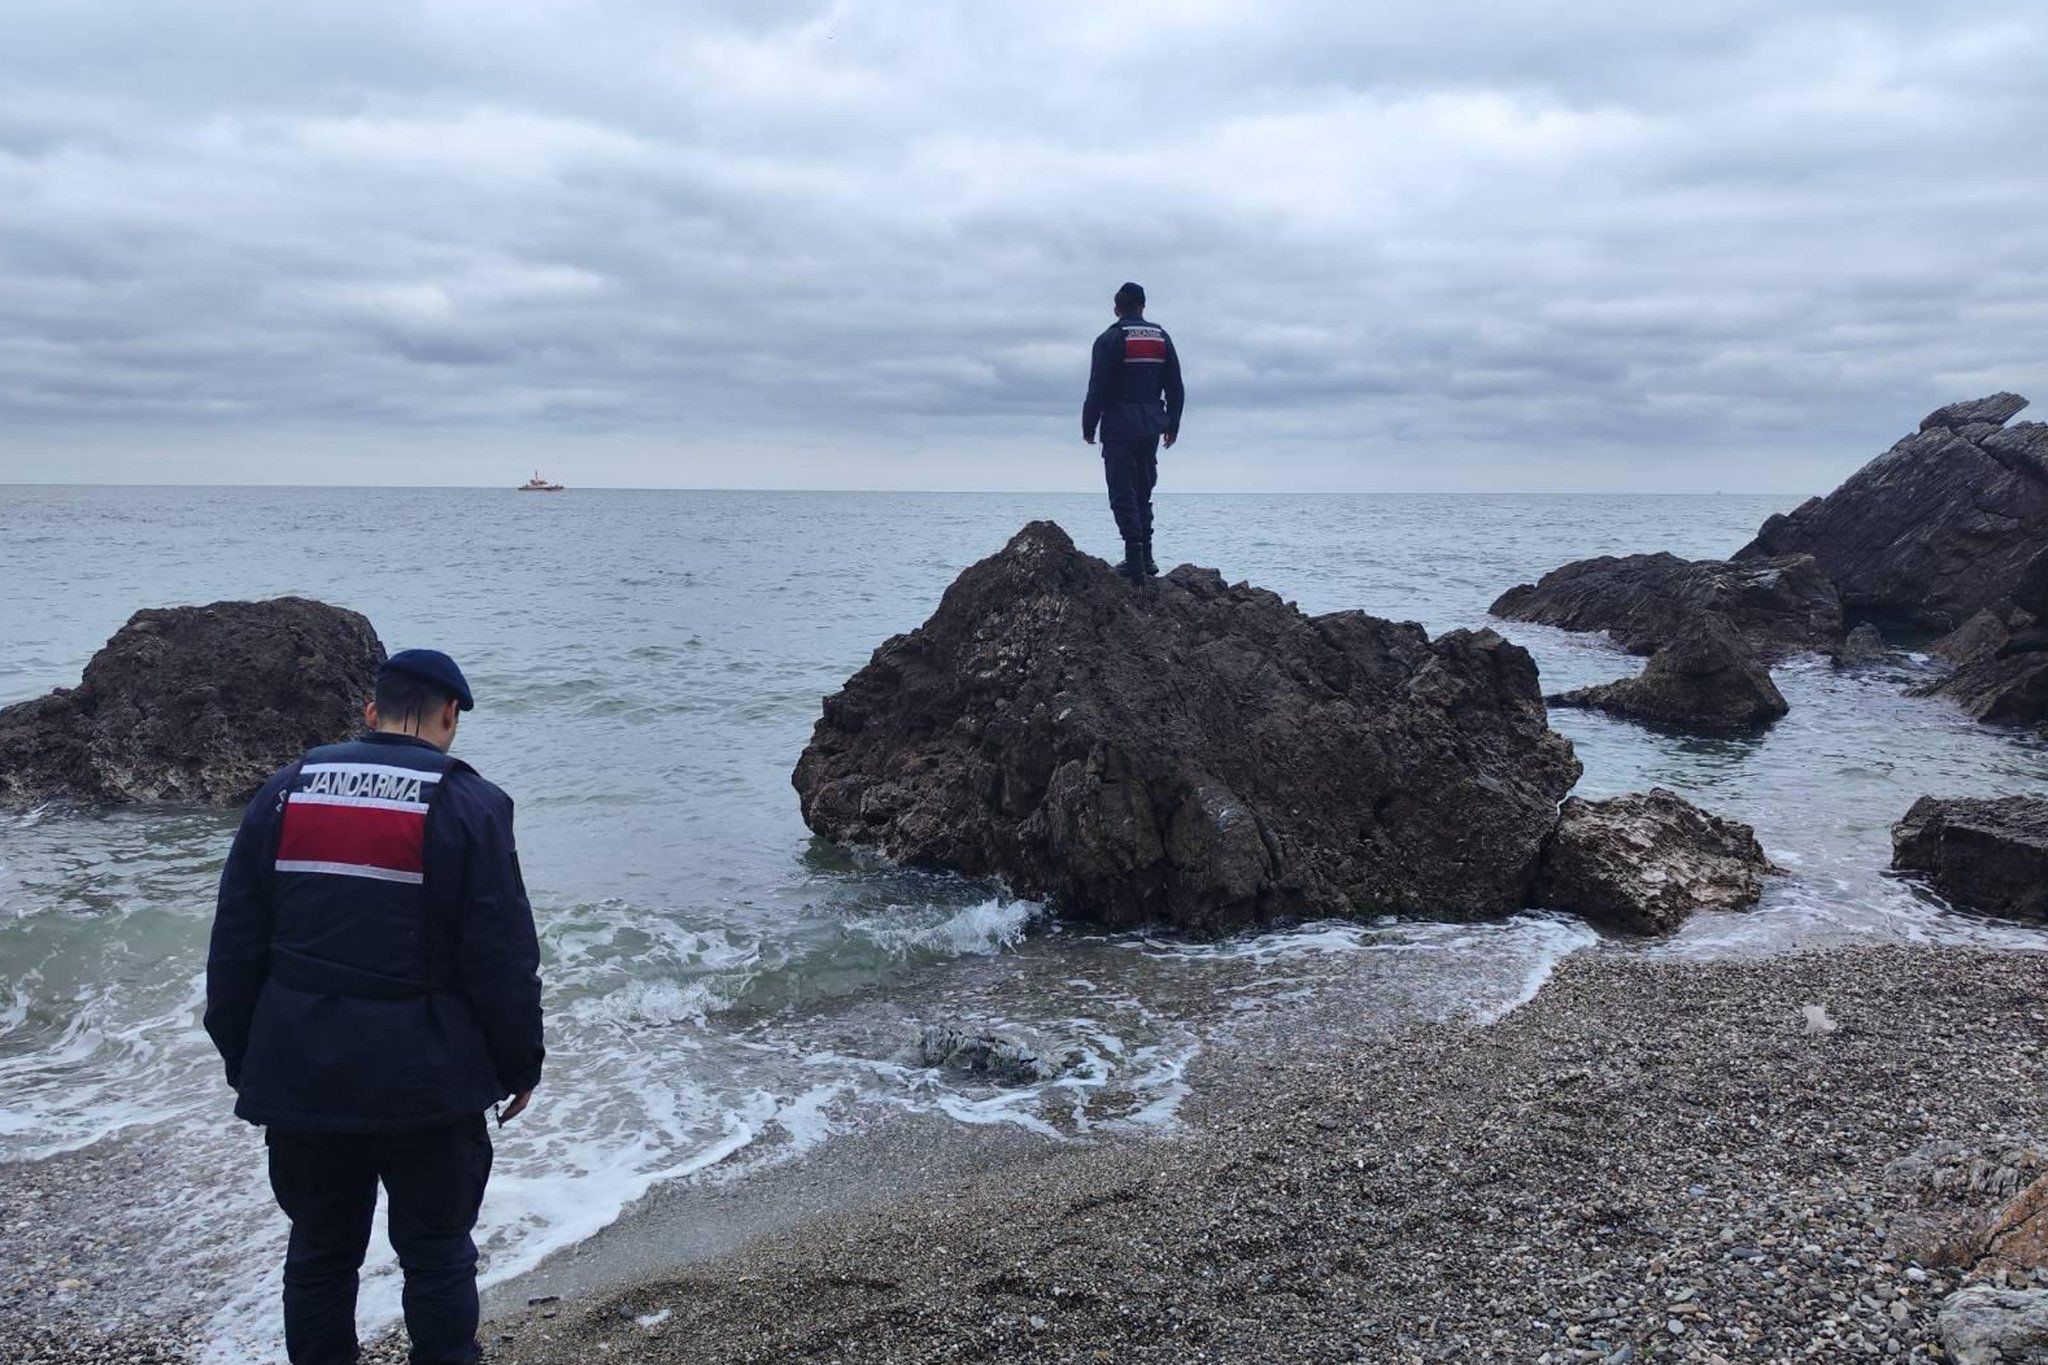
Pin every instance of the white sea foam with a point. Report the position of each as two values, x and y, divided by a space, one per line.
1527 948
1549 941
577 1187
1159 1082
88 1083
989 926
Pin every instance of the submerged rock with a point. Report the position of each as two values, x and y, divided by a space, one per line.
1641 863
1645 602
193 705
1934 530
1706 680
1988 854
986 1055
1190 752
1861 648
1985 1326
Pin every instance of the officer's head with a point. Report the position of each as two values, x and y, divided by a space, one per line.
419 692
1130 300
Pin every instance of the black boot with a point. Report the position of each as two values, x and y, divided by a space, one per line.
1151 565
1133 566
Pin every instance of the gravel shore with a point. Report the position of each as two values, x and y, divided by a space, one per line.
1653 1159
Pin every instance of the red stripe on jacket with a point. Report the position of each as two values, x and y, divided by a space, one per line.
367 836
1144 348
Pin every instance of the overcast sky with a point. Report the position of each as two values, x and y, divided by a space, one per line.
1445 244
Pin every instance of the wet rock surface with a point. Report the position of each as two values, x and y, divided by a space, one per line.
1706 681
193 705
2001 655
1861 648
992 1057
1644 602
1643 862
1934 530
1188 751
1985 854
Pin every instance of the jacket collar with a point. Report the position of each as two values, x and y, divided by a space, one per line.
387 737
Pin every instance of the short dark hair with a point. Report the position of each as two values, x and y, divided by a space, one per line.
403 697
1126 299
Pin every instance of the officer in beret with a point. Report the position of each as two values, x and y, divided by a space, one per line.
373 985
1134 398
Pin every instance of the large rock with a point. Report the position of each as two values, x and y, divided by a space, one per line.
1980 1325
1988 854
1706 681
1642 862
193 705
1934 530
1978 1204
1190 752
2001 655
1645 602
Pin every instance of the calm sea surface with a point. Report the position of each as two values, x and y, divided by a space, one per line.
721 990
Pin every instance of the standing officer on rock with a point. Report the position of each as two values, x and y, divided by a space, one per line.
1135 396
373 985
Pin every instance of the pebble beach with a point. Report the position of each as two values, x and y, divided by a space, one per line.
1653 1159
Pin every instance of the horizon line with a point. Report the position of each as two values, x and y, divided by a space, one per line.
1199 491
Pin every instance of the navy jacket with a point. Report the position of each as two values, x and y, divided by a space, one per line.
379 1000
1134 386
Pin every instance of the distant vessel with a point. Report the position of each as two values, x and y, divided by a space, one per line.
537 484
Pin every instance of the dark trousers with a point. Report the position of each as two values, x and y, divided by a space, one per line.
327 1185
1131 469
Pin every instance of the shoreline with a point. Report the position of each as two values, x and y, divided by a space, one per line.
1652 1154
1650 1158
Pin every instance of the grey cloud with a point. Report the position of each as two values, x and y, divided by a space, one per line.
851 240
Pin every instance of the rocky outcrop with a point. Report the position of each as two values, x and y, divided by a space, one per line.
1985 1326
2001 655
1706 681
1937 528
1986 854
1945 531
1190 752
193 705
1978 1204
1643 862
1644 602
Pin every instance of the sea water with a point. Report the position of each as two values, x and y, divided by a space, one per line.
723 992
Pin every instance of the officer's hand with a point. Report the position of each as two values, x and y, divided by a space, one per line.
516 1108
1169 439
1088 437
